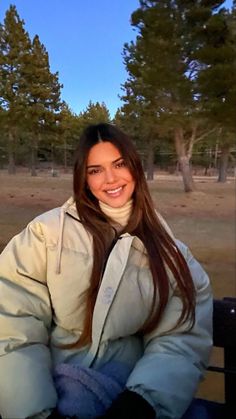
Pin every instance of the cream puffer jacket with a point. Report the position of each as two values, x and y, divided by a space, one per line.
44 273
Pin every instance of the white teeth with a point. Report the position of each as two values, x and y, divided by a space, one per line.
113 191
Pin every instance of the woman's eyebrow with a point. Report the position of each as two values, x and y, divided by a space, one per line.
119 158
93 165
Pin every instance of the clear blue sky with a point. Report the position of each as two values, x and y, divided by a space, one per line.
84 39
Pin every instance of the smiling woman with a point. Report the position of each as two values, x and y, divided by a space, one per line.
108 177
102 309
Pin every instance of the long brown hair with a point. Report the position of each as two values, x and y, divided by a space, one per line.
162 251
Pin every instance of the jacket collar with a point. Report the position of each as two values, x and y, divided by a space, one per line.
69 207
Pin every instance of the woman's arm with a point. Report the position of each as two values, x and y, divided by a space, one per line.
26 385
168 374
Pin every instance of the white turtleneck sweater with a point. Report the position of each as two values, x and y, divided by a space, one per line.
120 216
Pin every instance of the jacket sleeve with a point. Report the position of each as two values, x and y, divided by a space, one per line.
26 385
168 374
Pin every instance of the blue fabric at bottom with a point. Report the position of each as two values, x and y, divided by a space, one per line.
85 392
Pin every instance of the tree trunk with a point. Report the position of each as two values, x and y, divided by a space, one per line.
34 153
33 161
150 162
224 159
11 155
65 158
11 164
186 172
184 161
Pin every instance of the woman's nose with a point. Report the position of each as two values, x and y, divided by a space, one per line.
110 175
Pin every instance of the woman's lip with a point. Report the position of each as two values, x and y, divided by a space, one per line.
114 191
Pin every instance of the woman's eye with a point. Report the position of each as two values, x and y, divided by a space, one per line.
121 164
93 171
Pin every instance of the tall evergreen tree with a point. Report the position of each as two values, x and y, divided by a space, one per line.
95 113
163 68
69 129
217 80
29 92
14 45
41 90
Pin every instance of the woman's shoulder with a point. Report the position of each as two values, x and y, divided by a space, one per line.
49 218
51 221
53 215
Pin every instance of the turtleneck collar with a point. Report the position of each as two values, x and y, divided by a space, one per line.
118 215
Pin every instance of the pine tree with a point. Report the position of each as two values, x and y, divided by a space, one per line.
14 45
162 88
69 130
41 89
95 113
29 92
217 80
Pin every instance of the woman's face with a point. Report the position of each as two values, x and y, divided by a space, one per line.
108 177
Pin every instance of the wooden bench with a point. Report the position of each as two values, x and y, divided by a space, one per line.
224 336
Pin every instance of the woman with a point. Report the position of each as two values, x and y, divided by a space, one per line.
103 313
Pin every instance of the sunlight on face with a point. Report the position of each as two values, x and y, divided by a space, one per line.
108 177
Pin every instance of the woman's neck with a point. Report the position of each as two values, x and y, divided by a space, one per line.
118 215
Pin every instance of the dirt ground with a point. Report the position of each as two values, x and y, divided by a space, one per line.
204 220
